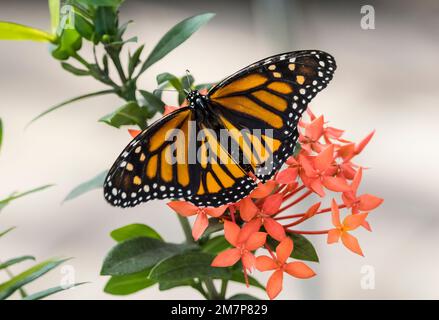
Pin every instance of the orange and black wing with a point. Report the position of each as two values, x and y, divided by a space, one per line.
261 106
167 161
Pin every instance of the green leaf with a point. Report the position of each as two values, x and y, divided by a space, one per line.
6 231
207 86
215 245
102 3
187 266
133 231
69 43
1 133
152 103
84 27
48 292
14 261
14 31
62 104
242 296
9 287
166 285
105 21
134 60
128 284
95 183
173 80
72 69
138 254
238 276
15 196
129 114
54 8
176 36
303 248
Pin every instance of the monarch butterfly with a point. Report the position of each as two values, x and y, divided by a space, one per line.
270 94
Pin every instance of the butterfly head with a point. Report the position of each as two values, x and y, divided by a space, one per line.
196 99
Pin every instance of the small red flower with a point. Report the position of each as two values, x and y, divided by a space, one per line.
245 241
249 211
341 230
278 263
187 209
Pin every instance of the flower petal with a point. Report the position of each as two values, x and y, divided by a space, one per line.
357 180
272 204
363 143
255 241
324 158
312 210
231 232
227 258
335 184
200 225
287 176
133 132
183 208
248 261
263 189
274 284
284 249
274 229
351 243
248 229
369 202
353 221
314 130
299 270
335 214
316 186
247 209
216 212
265 263
333 236
169 109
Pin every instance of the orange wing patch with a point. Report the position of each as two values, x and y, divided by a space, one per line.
241 84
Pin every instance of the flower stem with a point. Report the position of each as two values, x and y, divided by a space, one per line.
184 222
224 284
211 290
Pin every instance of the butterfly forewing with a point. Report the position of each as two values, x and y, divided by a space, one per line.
270 95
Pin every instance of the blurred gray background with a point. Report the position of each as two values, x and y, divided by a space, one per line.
386 80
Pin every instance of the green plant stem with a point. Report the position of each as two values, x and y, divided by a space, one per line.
211 290
224 284
184 222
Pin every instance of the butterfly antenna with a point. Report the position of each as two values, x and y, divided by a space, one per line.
188 90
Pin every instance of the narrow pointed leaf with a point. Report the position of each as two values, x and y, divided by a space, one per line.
3 233
95 183
48 292
152 102
129 114
9 287
176 36
13 261
15 31
15 196
72 69
62 104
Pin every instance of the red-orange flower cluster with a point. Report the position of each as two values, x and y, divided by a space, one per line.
324 164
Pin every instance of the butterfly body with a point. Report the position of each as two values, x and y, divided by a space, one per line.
245 127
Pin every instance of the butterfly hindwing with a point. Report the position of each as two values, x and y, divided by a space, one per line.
270 95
